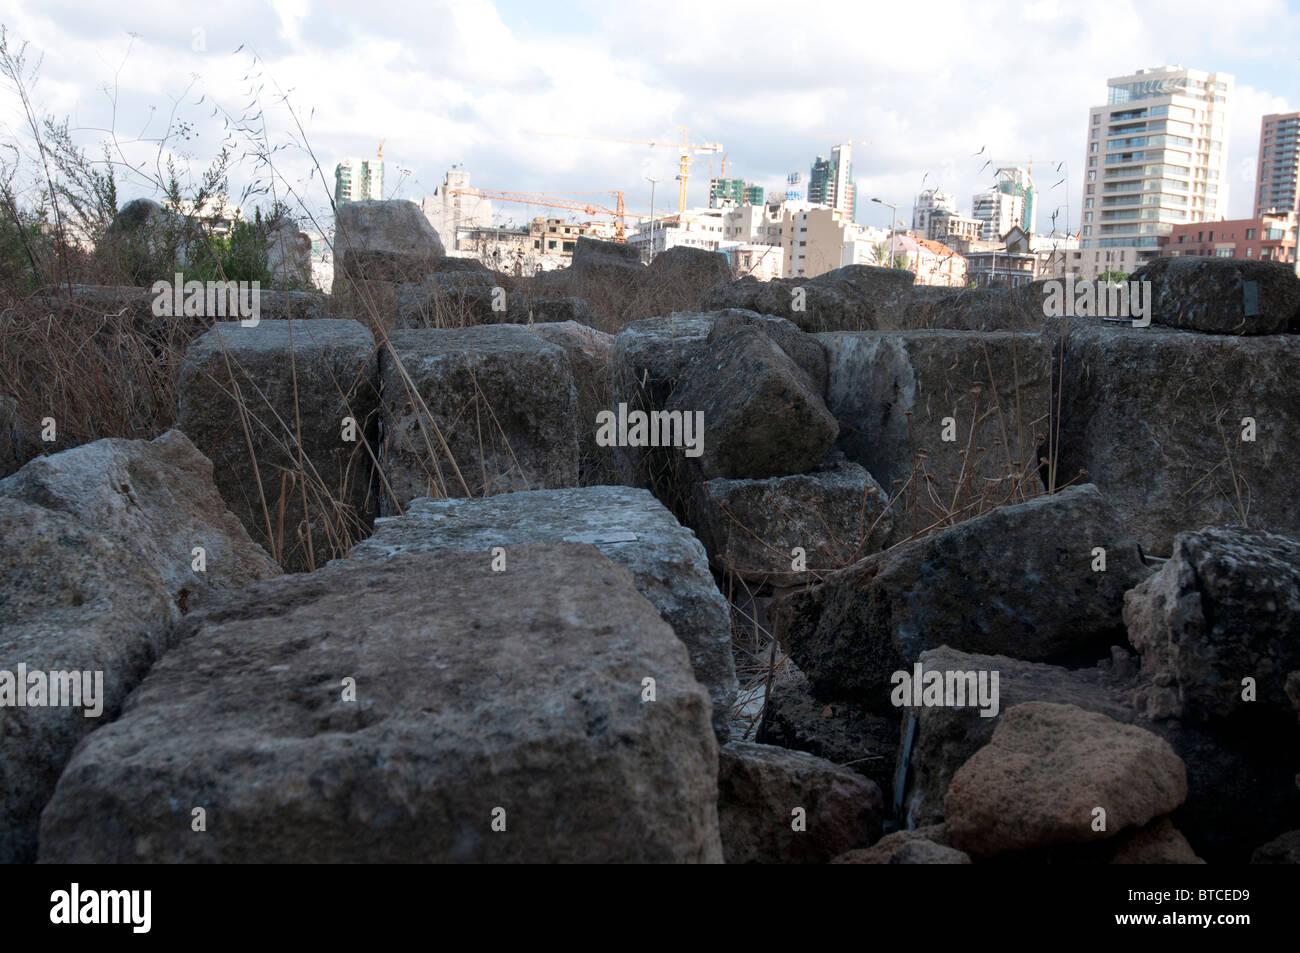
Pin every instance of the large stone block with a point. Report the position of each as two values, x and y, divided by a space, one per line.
762 414
761 789
836 514
268 405
943 738
156 497
651 355
1047 769
1225 607
383 240
1223 295
852 298
628 525
1157 419
513 697
1017 581
76 601
949 422
591 357
476 411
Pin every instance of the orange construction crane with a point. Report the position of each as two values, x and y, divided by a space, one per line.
684 147
547 200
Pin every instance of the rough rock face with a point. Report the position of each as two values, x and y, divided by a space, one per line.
496 412
944 738
1223 295
750 528
1017 581
156 497
925 845
591 357
1226 606
628 525
693 267
1155 417
279 386
852 298
608 265
763 416
650 355
288 255
388 240
71 600
897 396
522 691
1048 766
464 298
976 309
841 731
761 787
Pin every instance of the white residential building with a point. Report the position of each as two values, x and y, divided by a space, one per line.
449 210
1157 157
927 203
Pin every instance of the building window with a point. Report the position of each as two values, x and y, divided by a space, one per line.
1250 234
551 245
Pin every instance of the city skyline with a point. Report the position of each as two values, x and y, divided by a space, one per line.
459 86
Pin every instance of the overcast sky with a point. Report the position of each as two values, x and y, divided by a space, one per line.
924 86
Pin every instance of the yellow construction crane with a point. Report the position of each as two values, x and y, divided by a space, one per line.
547 200
379 153
684 147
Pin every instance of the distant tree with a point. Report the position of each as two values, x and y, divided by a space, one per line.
1113 276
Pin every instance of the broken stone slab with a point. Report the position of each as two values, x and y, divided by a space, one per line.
1158 419
949 422
591 357
420 709
474 412
840 730
836 515
939 739
765 793
1224 608
628 525
1046 771
926 845
156 497
1223 295
252 398
762 415
74 601
1018 581
852 298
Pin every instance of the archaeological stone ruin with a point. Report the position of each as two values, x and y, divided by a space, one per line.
443 566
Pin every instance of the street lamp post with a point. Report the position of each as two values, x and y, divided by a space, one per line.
893 214
653 183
